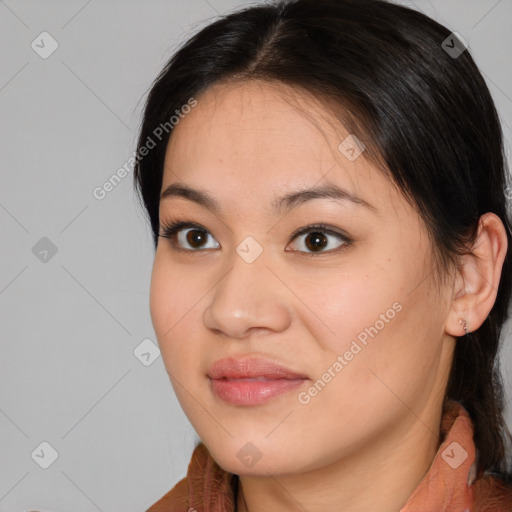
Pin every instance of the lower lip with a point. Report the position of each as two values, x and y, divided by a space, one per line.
240 392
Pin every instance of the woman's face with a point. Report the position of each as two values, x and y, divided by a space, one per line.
357 314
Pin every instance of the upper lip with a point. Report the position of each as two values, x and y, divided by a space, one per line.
247 367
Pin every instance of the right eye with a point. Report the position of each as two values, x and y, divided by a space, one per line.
195 235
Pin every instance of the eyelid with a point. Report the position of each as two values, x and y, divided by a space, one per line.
324 228
173 226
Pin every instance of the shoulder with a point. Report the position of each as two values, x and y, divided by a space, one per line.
492 494
176 500
206 486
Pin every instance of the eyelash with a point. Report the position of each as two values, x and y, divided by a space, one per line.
169 230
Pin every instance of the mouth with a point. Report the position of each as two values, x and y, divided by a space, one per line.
253 391
254 379
251 380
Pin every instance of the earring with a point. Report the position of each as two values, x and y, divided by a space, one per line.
463 323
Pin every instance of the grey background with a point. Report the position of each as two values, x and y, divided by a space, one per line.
70 324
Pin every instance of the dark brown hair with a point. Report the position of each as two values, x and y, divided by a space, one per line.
424 114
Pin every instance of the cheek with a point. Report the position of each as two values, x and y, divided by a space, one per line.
349 306
168 298
175 315
159 298
167 303
389 355
371 320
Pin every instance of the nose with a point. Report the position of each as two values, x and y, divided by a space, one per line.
248 298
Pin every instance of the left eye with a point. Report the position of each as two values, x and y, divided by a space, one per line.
317 239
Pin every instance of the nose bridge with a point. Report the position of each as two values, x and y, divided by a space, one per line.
248 295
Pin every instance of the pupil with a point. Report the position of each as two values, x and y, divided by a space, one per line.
316 241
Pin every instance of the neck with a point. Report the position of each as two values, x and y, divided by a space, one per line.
384 472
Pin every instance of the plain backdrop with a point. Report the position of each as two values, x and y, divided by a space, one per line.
75 381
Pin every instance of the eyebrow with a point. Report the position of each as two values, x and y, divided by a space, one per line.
280 205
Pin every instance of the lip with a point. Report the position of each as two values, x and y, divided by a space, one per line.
251 381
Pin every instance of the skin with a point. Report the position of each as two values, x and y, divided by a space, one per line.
372 432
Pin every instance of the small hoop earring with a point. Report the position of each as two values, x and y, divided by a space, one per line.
463 323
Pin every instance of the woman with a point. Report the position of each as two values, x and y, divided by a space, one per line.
325 183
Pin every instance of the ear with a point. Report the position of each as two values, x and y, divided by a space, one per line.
478 277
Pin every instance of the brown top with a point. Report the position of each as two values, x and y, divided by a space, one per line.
450 484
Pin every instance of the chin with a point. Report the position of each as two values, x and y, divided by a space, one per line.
251 459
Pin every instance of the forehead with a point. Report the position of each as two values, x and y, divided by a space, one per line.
239 120
244 140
